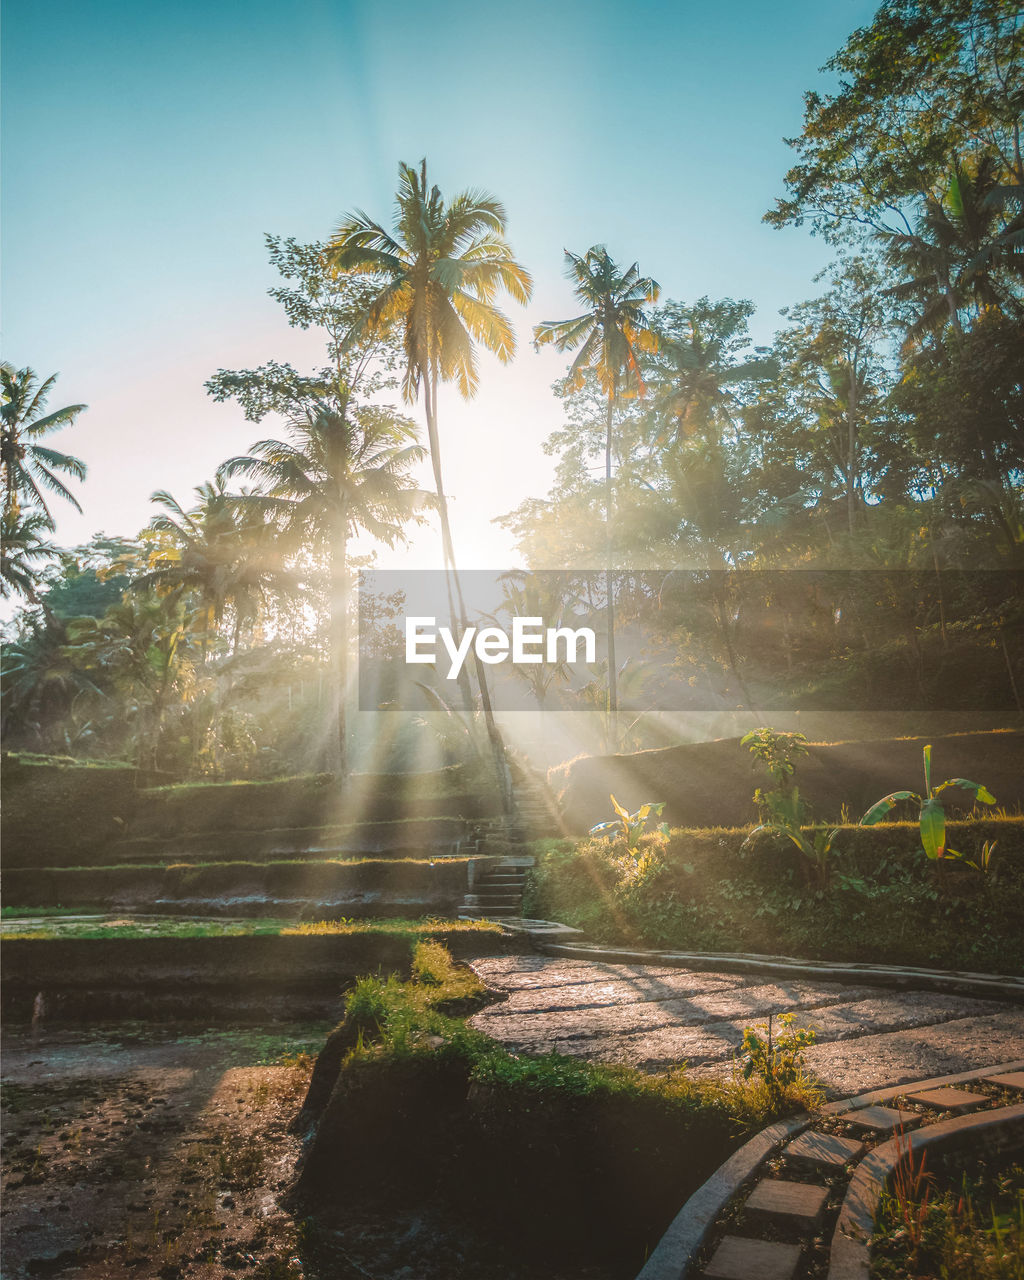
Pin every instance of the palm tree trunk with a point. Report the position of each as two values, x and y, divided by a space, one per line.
339 643
609 583
851 460
497 745
448 551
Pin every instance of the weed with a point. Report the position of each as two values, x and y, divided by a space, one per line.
776 1059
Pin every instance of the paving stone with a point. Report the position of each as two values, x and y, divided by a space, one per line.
1012 1080
846 1067
788 1204
948 1099
740 1259
656 1016
825 1151
880 1120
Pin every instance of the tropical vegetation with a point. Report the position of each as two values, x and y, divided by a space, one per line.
880 430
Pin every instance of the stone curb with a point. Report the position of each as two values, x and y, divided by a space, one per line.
672 1255
986 985
691 1225
850 1253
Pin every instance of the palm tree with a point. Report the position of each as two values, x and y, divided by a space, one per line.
441 268
222 551
337 473
21 546
30 468
141 650
964 251
697 369
610 335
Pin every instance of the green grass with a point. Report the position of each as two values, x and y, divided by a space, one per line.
968 1223
391 1019
355 860
50 927
393 926
20 913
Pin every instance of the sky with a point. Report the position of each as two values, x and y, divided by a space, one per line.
149 144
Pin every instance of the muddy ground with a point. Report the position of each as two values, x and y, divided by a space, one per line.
163 1152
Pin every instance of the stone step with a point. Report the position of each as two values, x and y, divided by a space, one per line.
823 1151
881 1120
796 1205
955 1100
740 1259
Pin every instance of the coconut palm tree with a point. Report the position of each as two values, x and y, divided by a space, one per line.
22 545
30 468
221 551
965 251
608 336
337 474
441 267
700 365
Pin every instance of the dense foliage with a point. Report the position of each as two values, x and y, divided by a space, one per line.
881 429
714 890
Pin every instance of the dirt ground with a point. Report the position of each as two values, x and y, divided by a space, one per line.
163 1153
127 1157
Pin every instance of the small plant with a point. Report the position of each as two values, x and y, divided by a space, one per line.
630 825
933 813
816 847
984 862
911 1191
778 752
776 1059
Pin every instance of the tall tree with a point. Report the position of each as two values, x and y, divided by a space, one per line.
835 354
441 268
321 411
961 253
221 552
608 337
335 475
30 468
22 548
924 82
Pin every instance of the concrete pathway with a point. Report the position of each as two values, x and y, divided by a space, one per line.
655 1017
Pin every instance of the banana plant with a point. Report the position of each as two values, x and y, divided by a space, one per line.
816 847
933 812
630 825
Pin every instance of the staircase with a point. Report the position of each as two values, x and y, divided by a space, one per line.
498 893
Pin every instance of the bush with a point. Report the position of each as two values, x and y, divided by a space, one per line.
886 903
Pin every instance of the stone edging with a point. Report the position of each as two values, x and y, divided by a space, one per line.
671 1257
850 1255
985 985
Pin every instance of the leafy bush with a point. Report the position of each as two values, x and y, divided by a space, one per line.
714 890
778 752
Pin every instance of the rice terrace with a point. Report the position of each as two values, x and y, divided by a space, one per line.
512 766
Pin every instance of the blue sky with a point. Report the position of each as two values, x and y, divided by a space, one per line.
148 146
